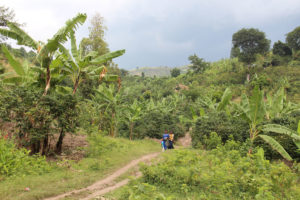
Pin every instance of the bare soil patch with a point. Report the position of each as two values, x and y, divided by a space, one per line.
108 184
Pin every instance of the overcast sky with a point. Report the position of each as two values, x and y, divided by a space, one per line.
162 32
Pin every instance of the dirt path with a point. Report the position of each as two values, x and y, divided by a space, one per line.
106 185
185 141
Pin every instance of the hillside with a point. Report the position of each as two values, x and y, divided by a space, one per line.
156 71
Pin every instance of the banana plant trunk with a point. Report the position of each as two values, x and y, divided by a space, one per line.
76 85
112 125
48 79
131 130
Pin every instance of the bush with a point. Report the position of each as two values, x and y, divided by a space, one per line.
223 173
222 124
17 162
36 117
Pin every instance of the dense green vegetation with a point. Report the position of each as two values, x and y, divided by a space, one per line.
223 173
242 113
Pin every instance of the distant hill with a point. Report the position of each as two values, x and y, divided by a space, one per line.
156 71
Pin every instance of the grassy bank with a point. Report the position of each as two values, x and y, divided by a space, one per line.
103 156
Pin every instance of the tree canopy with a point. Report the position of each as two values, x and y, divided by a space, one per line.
247 43
293 39
175 72
95 41
198 64
281 49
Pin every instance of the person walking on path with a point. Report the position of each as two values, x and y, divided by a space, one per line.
164 140
171 140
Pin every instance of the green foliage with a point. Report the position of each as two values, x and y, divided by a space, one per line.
223 173
24 73
249 42
153 124
175 72
17 162
143 191
95 41
222 124
198 65
36 118
293 39
212 142
281 49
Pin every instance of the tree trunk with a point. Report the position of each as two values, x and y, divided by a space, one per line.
45 145
48 79
35 147
131 129
76 85
112 126
248 77
60 141
248 74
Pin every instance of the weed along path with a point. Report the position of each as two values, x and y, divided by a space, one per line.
108 184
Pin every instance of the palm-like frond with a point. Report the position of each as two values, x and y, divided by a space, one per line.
110 78
74 47
256 112
62 35
16 65
10 34
13 80
24 39
225 99
276 128
297 143
276 146
108 56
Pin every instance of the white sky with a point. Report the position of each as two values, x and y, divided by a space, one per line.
162 32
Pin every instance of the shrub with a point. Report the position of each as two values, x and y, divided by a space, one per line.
222 124
17 162
223 173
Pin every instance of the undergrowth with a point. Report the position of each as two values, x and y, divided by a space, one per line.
222 173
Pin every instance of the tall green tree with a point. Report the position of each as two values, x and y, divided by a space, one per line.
175 72
281 49
246 43
293 39
198 65
95 41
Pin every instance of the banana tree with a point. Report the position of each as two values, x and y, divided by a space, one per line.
276 105
276 128
76 63
109 100
45 51
23 73
132 114
222 105
253 110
